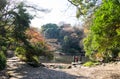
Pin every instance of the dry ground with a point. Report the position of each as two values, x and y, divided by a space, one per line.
20 70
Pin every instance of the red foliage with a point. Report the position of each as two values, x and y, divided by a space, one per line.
34 36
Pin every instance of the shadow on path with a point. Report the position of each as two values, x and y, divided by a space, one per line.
21 70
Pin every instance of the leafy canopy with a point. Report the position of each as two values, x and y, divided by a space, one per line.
105 32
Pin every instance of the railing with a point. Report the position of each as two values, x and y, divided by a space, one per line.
64 59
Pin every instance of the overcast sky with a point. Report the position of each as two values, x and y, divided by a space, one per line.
61 10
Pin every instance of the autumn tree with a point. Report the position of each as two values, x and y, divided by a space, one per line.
38 40
38 48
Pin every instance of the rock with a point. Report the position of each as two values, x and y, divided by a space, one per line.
69 67
33 64
42 65
10 54
4 74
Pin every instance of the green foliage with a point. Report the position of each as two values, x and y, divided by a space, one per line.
71 42
69 37
21 53
32 55
90 63
28 55
50 30
49 25
35 46
84 7
104 33
13 23
2 4
37 50
14 20
2 60
21 23
35 59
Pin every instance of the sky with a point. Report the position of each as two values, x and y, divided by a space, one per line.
61 11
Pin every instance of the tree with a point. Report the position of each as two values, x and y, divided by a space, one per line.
8 24
105 32
50 30
37 45
14 21
71 41
84 7
67 36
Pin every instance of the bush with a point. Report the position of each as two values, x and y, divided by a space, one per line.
32 54
34 61
90 63
27 55
2 61
21 53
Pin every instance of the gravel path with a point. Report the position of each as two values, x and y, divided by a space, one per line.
110 71
20 70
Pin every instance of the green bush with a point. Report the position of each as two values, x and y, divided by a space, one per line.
90 63
32 52
35 59
21 53
27 55
2 61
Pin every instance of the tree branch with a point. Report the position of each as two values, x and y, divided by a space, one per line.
73 3
42 10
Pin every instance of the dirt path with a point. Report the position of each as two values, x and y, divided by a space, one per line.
20 70
110 71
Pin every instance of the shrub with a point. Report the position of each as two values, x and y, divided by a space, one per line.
2 61
33 47
35 59
32 54
26 54
90 63
37 46
21 53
